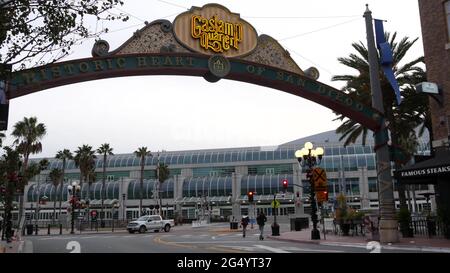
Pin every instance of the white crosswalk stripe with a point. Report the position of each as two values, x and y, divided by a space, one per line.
273 249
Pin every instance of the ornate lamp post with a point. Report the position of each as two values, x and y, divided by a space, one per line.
73 189
310 157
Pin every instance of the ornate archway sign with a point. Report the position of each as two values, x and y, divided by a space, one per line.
210 42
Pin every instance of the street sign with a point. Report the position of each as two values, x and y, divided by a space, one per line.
320 179
275 204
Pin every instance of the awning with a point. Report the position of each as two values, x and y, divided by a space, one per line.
268 198
209 199
427 171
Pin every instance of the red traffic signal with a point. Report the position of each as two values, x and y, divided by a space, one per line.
285 183
250 196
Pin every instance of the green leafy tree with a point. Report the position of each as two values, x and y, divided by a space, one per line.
55 175
104 150
10 164
38 32
142 153
63 155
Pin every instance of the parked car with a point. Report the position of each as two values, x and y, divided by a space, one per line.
150 222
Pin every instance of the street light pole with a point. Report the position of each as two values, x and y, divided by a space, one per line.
74 188
310 158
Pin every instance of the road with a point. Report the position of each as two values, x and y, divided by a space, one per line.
180 240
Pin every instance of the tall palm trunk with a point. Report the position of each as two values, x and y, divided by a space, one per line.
22 196
54 209
61 189
103 191
141 186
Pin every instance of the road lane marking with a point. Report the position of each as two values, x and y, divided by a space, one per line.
293 248
276 250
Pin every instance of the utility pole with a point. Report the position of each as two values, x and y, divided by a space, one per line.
388 223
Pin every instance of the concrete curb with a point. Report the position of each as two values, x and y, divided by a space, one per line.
364 245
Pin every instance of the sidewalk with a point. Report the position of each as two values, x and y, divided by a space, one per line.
417 243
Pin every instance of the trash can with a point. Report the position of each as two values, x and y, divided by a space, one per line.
275 229
233 225
431 225
29 229
299 223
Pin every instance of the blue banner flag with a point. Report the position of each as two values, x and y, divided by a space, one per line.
386 58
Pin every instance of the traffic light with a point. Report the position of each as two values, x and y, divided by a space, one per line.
322 196
285 184
250 196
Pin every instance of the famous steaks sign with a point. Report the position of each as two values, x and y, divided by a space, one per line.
425 172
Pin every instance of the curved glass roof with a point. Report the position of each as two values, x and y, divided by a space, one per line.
265 184
134 186
207 186
332 150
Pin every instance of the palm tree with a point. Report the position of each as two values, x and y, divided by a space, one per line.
55 176
402 120
142 153
105 150
163 174
85 160
359 87
28 134
63 155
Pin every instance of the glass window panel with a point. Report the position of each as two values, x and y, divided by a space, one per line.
361 161
263 155
256 155
359 150
221 157
337 163
227 157
371 161
248 156
342 151
373 184
350 150
353 166
201 158
367 149
234 156
335 151
244 184
110 162
277 154
194 158
228 186
328 151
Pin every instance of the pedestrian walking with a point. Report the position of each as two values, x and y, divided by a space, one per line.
244 224
261 221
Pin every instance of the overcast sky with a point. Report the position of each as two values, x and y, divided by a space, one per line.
183 113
